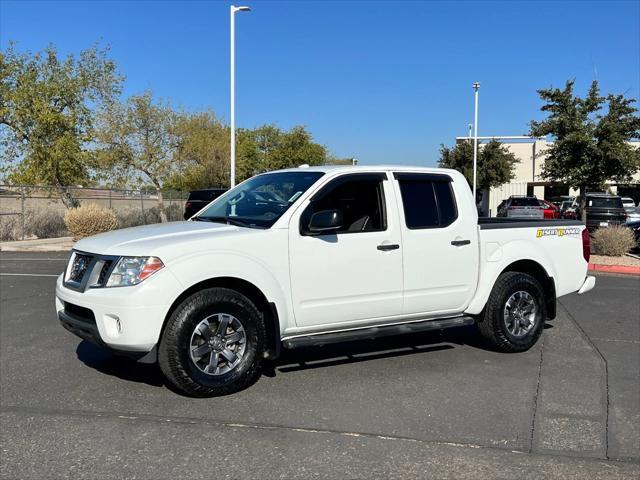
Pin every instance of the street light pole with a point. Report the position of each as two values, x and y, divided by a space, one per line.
232 21
476 87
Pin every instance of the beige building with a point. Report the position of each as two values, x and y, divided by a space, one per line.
530 152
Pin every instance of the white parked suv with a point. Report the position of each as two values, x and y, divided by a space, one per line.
311 256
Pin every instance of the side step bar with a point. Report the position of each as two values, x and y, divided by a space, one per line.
319 339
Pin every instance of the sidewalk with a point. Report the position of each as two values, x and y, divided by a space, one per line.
61 244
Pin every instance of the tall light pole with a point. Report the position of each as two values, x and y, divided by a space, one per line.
232 20
476 87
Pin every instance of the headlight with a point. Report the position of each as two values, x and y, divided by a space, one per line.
133 270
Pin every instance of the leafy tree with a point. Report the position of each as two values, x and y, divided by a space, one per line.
137 141
202 154
495 163
269 148
589 148
47 114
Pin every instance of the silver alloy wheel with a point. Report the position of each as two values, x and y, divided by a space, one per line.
218 344
520 313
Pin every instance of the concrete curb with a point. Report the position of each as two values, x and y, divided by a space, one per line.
623 269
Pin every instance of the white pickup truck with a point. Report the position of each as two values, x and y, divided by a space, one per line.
311 256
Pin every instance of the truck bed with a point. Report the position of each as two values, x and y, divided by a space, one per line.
491 223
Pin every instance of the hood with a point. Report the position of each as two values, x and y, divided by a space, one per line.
150 239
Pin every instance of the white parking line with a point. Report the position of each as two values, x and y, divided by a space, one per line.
28 274
32 259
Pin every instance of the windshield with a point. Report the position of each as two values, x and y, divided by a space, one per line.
260 201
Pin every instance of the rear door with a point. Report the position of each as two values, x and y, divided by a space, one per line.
439 244
354 273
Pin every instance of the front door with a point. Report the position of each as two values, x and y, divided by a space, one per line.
355 272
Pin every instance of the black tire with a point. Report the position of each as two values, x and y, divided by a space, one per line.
174 351
493 325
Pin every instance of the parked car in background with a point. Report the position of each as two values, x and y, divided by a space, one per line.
568 209
198 199
633 214
550 210
627 202
603 210
521 207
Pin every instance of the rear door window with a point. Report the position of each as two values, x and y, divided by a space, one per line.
427 200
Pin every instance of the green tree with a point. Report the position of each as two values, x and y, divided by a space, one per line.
588 147
47 111
201 157
495 163
269 148
137 141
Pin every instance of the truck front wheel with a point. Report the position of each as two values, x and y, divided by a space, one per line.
515 313
213 344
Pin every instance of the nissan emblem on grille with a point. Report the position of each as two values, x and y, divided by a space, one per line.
79 267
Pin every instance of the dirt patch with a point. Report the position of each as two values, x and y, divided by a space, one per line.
624 260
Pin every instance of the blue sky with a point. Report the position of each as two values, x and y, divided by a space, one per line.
386 82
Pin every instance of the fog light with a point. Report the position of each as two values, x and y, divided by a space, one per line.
112 325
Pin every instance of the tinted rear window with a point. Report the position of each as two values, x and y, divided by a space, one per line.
525 202
205 195
604 202
428 201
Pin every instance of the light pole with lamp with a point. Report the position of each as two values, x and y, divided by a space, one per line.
476 87
232 19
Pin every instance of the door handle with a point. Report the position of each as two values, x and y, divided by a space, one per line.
459 243
386 247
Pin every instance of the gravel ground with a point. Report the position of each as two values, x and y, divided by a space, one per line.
624 260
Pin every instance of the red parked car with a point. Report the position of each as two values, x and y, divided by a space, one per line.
550 210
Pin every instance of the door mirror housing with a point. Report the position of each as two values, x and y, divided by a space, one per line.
325 221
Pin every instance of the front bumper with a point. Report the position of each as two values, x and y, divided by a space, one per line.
125 319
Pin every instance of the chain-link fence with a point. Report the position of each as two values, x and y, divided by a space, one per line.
38 211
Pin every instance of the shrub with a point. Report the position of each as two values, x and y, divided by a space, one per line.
129 217
613 241
10 228
46 223
173 212
89 219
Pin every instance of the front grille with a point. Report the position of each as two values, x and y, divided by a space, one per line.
79 267
79 313
102 278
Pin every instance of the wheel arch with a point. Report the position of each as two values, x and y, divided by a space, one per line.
530 266
266 307
537 271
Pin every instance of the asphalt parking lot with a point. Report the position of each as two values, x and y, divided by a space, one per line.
436 404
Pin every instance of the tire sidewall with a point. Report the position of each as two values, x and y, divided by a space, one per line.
177 342
527 284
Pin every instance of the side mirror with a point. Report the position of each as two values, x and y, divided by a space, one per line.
325 221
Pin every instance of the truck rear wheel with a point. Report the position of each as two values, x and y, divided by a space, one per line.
213 344
515 313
